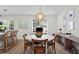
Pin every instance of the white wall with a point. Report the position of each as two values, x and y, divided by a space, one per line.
52 23
60 21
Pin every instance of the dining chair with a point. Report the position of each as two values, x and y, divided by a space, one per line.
6 39
52 43
14 37
26 43
39 46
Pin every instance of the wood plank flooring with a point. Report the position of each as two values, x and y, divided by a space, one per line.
18 49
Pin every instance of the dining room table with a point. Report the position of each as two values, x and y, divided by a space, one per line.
49 37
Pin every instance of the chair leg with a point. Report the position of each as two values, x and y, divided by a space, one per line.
32 49
25 48
53 49
24 51
6 45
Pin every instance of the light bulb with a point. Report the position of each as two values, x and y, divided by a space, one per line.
39 16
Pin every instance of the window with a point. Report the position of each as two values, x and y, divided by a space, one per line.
23 24
42 24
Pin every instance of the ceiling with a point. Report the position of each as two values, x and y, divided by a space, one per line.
30 9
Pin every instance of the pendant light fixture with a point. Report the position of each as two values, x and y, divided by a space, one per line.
40 15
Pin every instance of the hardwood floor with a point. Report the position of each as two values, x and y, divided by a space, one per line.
18 49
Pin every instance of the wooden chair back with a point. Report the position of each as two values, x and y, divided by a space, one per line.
14 33
6 37
39 46
25 42
14 36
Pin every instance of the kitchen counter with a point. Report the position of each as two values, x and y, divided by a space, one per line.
71 37
70 42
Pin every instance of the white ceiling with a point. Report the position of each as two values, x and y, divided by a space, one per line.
30 9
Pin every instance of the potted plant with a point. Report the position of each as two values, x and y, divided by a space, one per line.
2 27
60 30
39 34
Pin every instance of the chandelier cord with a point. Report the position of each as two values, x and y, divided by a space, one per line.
40 15
40 8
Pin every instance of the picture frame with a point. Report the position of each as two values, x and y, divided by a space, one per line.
70 14
68 20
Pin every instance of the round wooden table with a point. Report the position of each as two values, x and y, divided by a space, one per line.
49 37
